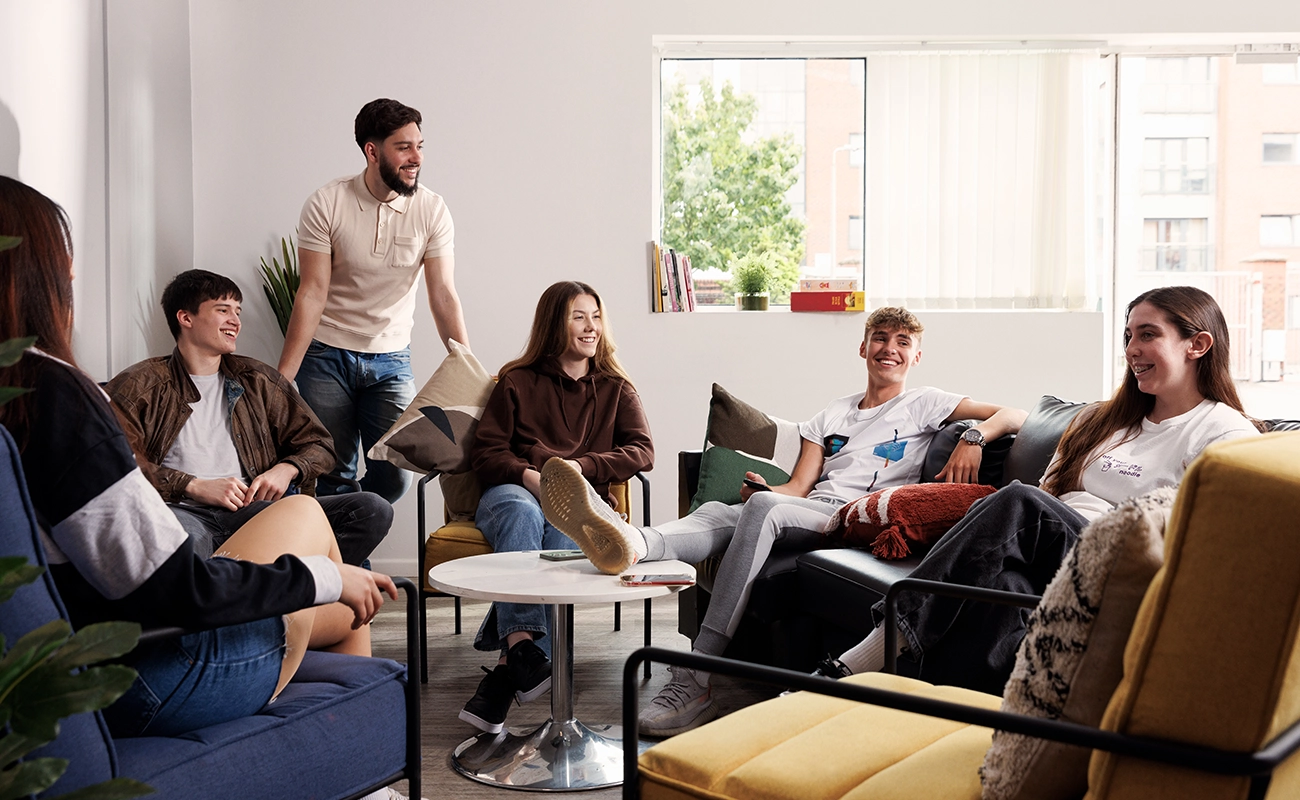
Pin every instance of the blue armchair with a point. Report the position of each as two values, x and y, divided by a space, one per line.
343 727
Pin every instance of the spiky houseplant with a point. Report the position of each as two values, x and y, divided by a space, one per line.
752 276
280 283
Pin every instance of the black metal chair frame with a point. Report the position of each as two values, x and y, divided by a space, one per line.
1258 766
425 594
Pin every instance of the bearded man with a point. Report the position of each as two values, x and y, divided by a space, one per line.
363 241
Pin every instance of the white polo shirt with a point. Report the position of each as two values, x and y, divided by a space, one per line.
377 251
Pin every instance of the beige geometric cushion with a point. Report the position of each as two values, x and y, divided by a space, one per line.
436 430
1071 658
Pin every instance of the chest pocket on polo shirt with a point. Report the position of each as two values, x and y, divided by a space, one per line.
407 252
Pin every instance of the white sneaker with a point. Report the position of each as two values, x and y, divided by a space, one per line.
572 506
388 793
686 702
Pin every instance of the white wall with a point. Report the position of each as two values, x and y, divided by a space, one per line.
538 130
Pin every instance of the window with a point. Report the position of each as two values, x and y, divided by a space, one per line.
1281 148
1280 73
1279 230
1176 166
1175 245
934 177
762 155
1178 85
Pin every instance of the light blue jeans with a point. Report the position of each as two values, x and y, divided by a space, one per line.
200 679
511 520
358 396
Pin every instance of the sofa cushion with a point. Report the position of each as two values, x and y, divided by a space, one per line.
1070 660
1212 659
807 745
1036 442
746 431
436 430
335 704
896 522
992 462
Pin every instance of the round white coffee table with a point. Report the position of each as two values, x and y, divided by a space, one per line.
563 754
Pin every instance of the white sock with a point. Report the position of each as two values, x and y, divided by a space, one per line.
378 794
867 655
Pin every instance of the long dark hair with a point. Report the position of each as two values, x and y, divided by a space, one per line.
1190 311
550 334
35 287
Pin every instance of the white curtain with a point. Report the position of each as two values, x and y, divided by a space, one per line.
983 180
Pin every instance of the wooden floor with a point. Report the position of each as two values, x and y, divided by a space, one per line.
599 654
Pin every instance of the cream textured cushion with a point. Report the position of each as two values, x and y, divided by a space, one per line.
1071 658
435 432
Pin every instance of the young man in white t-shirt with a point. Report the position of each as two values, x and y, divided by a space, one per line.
858 444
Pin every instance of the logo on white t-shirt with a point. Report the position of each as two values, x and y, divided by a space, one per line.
1126 468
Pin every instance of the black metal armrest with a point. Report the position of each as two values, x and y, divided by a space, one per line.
645 498
1258 765
943 590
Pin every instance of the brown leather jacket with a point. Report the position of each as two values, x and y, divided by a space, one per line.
269 420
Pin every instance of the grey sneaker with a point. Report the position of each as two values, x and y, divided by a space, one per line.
572 506
684 703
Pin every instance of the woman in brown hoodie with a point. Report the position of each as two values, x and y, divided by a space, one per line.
566 397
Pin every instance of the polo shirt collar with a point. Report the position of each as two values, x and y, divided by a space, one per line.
367 202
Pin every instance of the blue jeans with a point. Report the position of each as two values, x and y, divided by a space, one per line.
511 520
200 679
358 396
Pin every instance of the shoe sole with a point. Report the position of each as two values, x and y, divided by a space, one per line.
480 723
533 693
567 505
707 714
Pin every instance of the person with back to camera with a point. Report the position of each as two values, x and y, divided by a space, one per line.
223 435
870 440
566 397
1177 398
116 552
363 241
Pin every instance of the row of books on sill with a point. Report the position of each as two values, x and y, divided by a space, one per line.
674 288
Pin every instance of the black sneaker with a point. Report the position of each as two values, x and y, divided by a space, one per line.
529 670
831 668
828 667
486 710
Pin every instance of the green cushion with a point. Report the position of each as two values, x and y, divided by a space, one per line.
722 470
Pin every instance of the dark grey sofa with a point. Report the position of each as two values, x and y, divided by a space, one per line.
806 605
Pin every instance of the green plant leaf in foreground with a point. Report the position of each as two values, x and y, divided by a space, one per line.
14 573
27 654
98 642
115 789
30 777
51 694
10 242
12 350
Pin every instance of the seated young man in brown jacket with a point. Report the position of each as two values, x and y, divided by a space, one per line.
223 436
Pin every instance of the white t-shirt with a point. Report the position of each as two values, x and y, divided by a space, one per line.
875 448
1157 457
205 447
377 251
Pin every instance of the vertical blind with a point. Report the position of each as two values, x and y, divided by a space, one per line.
984 187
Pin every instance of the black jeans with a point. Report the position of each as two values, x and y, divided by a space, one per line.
360 521
1013 540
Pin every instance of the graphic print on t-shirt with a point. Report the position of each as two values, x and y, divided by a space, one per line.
891 450
833 444
1127 468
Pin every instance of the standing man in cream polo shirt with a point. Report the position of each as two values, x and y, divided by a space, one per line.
362 242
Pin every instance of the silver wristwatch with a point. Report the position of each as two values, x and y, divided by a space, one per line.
974 436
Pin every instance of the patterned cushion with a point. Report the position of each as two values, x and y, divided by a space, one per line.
1071 658
435 432
901 520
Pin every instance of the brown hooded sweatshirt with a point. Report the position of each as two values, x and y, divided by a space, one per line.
538 412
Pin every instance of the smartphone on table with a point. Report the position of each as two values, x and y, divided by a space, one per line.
657 579
560 555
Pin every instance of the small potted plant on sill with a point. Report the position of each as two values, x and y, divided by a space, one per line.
752 276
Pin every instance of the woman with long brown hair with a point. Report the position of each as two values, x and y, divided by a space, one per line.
566 397
1177 397
117 553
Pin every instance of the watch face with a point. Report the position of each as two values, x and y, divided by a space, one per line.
973 436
